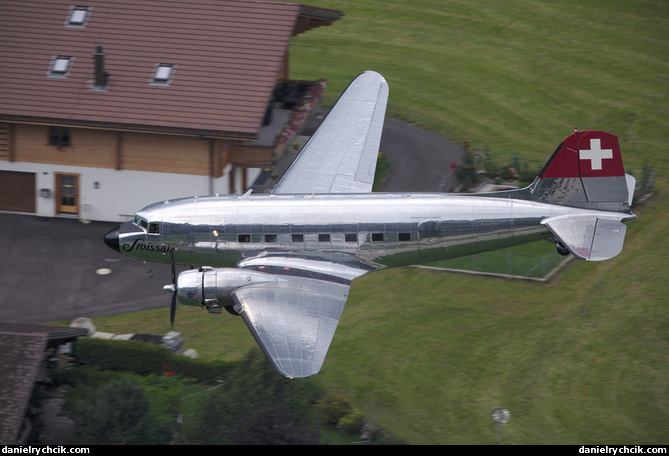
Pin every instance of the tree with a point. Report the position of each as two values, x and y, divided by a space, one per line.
466 173
272 425
332 408
256 406
118 413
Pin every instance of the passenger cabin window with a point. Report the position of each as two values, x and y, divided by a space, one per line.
270 238
297 238
350 237
404 237
323 238
243 238
377 237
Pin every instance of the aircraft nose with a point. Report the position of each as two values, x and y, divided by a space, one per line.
111 239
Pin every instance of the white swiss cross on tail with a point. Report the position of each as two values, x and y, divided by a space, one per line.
596 154
588 153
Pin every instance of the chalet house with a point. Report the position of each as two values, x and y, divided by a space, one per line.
107 106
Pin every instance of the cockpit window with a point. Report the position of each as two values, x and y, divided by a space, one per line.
141 222
154 228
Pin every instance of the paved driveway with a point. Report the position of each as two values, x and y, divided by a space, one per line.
48 266
48 272
420 160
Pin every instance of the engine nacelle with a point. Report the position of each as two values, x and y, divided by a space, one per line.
211 287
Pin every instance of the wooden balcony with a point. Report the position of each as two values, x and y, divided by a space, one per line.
292 105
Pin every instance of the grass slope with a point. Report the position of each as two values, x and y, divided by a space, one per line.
514 76
580 360
428 355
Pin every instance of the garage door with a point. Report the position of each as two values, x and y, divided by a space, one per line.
17 191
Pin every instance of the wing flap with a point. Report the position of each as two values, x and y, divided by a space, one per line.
293 321
589 237
341 156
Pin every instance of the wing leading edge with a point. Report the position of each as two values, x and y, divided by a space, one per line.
341 156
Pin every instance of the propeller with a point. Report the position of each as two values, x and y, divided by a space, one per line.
173 288
173 305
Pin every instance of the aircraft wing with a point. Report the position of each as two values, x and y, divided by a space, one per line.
341 156
293 320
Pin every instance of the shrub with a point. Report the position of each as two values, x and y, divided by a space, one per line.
353 422
145 359
332 408
119 412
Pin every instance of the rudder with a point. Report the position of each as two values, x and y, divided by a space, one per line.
585 171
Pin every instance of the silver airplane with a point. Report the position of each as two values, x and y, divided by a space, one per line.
284 261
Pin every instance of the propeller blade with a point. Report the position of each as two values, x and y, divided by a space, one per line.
173 304
173 308
174 275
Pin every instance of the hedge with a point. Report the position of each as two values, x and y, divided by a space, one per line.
144 358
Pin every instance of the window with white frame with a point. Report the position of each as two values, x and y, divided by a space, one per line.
60 66
78 16
163 74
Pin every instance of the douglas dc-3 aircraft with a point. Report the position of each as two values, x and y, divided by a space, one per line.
284 261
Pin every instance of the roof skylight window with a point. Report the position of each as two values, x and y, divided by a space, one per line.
78 16
163 74
60 66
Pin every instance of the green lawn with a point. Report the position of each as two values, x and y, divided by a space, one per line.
583 359
536 260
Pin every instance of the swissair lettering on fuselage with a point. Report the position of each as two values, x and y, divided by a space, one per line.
138 244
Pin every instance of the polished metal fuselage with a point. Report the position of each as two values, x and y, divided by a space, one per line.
365 231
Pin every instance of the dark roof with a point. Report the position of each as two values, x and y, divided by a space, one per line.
56 335
21 351
19 365
227 55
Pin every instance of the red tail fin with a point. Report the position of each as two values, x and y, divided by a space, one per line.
586 171
586 154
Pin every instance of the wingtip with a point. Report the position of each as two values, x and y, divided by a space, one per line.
370 75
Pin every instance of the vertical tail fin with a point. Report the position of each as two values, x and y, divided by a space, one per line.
586 171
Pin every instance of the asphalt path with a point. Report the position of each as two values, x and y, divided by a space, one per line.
48 272
420 161
59 269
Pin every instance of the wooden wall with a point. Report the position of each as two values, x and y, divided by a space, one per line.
251 156
120 150
89 147
165 154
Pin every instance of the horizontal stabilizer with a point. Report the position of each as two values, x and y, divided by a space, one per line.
589 237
